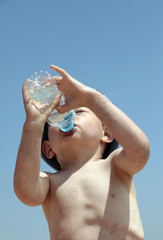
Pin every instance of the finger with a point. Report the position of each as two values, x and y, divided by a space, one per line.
58 79
56 102
62 72
63 108
25 88
26 84
27 98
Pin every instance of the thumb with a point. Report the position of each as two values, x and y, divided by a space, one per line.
63 108
55 102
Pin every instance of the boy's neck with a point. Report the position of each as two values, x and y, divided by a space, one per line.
77 162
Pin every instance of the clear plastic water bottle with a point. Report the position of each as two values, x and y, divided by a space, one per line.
43 89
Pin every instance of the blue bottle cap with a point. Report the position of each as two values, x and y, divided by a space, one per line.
68 124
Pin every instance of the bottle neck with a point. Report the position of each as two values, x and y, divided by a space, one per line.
68 124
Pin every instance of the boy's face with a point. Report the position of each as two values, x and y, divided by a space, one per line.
86 135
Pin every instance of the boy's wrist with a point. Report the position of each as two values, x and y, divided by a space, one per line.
92 94
34 125
86 97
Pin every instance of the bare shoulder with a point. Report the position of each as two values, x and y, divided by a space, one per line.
44 175
48 176
47 180
115 160
125 167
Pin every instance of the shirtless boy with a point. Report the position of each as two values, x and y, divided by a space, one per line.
90 198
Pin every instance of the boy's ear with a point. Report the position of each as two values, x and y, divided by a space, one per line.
47 151
107 138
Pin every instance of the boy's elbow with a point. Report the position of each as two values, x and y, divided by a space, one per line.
26 198
144 151
24 195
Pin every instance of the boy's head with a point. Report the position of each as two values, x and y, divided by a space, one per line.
87 136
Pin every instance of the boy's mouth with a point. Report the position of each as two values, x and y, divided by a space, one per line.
70 132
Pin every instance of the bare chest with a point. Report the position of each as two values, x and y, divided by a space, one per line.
83 193
96 199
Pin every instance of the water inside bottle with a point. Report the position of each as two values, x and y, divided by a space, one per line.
44 94
42 88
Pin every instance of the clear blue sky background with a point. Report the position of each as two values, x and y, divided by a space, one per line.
114 46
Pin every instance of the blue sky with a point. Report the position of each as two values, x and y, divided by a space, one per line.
113 46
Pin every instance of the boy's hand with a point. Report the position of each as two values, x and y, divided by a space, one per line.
37 112
76 94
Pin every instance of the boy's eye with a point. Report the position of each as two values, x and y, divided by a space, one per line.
79 111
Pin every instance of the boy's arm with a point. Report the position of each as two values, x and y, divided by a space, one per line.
31 186
135 152
135 145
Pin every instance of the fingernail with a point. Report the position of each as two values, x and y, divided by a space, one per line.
52 65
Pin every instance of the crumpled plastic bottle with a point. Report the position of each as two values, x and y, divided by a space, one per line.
43 89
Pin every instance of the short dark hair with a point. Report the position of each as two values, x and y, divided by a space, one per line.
53 161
